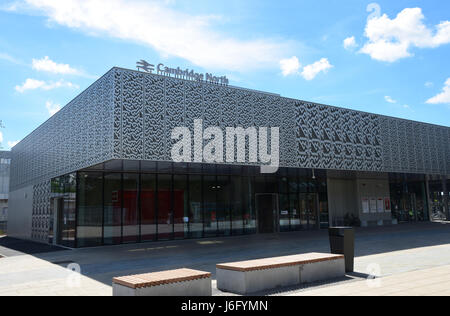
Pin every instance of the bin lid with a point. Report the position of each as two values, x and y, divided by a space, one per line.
339 231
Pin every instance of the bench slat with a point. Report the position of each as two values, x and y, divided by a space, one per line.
278 262
160 278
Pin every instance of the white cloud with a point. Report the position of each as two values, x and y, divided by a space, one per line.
170 32
443 97
350 43
48 65
290 66
13 143
30 84
7 57
33 84
429 84
389 99
392 39
1 137
311 71
52 108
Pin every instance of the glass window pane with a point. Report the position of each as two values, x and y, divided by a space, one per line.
195 207
283 185
271 185
236 170
180 168
112 215
165 167
323 210
195 168
223 169
302 184
98 167
180 207
148 166
237 208
294 185
223 189
131 165
209 169
311 211
90 209
113 165
294 211
165 224
284 212
68 223
248 194
148 214
304 214
130 208
259 184
209 200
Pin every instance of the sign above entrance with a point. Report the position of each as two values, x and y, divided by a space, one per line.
178 73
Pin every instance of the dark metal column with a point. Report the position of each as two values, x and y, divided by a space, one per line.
445 197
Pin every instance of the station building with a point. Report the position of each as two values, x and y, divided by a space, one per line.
100 172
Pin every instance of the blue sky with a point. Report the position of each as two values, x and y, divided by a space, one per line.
388 57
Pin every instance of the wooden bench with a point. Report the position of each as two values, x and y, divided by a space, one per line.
263 274
181 282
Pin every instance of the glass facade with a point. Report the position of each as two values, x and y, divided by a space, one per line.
63 205
408 197
439 199
138 201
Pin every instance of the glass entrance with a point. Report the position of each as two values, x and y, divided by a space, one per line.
308 210
64 205
267 210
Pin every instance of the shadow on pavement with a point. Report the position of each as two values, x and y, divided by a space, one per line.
104 263
10 247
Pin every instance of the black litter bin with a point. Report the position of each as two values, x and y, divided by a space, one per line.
342 242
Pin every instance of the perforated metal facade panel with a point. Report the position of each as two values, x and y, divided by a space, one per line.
130 115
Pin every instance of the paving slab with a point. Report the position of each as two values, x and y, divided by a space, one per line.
384 251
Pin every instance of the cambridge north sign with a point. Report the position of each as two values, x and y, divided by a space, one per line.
178 73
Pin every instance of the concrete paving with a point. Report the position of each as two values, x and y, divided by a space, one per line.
428 282
382 251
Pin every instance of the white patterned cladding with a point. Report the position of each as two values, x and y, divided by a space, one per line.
41 211
78 136
311 135
130 115
414 147
165 103
335 138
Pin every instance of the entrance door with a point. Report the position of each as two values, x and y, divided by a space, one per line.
66 221
267 210
308 210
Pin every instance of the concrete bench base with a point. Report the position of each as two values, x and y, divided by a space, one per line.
249 280
200 287
181 282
